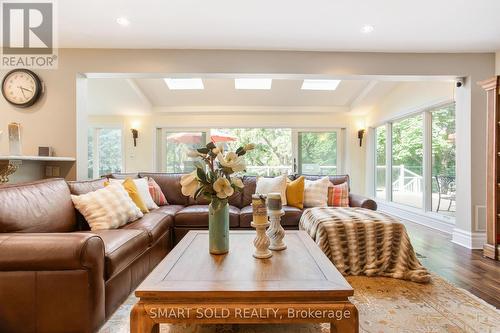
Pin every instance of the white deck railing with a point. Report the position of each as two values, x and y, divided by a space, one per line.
406 181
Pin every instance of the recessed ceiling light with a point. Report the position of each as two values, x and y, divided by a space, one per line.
366 29
123 21
184 84
259 84
330 85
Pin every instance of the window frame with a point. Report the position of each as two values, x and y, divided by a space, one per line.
340 132
96 129
158 150
341 141
426 113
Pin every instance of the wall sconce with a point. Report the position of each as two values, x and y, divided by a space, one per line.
361 133
135 135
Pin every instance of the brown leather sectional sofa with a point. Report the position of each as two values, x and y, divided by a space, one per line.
57 276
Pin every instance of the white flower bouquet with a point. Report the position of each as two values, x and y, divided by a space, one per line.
214 175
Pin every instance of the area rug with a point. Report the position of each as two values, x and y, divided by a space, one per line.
384 304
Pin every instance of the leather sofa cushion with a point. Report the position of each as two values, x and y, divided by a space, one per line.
121 247
123 175
290 219
42 206
155 224
170 184
336 180
250 183
169 210
197 216
86 186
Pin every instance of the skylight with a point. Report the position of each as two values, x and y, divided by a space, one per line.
259 84
330 85
184 84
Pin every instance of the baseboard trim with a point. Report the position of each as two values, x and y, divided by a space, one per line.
470 240
416 217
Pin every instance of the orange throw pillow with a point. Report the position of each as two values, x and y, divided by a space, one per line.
295 193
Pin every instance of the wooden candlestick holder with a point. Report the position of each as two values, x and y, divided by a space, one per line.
261 241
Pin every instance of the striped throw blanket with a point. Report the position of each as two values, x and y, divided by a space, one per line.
364 242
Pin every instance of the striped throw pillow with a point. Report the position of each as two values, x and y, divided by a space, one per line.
156 193
107 208
316 192
338 195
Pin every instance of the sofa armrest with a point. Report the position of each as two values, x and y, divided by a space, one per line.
50 251
356 200
51 282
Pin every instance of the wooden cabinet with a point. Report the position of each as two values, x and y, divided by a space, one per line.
491 248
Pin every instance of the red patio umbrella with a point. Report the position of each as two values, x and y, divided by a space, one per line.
196 137
185 137
219 137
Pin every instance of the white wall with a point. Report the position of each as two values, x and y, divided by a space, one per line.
408 97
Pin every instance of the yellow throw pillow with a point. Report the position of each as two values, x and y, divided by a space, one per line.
129 186
295 193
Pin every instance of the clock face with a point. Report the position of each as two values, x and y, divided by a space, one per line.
21 87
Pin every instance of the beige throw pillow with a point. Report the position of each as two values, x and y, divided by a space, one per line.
316 192
272 185
107 208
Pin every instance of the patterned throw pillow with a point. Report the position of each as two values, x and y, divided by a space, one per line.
156 193
338 195
316 192
129 186
107 208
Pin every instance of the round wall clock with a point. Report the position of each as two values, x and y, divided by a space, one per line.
21 87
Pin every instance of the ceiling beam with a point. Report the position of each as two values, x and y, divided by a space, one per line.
362 95
139 92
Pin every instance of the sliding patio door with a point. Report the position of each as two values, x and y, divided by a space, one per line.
318 152
278 150
173 147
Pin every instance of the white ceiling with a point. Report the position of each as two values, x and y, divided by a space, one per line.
222 92
334 25
126 96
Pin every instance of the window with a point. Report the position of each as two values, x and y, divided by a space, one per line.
407 161
105 150
443 160
317 153
380 162
277 149
175 147
421 149
273 148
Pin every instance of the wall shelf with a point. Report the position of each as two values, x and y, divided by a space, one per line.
9 164
37 158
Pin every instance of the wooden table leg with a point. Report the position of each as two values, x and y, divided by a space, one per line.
346 326
140 322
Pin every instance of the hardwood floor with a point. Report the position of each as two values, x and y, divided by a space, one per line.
465 268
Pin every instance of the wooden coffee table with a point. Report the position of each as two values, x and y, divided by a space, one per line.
297 285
